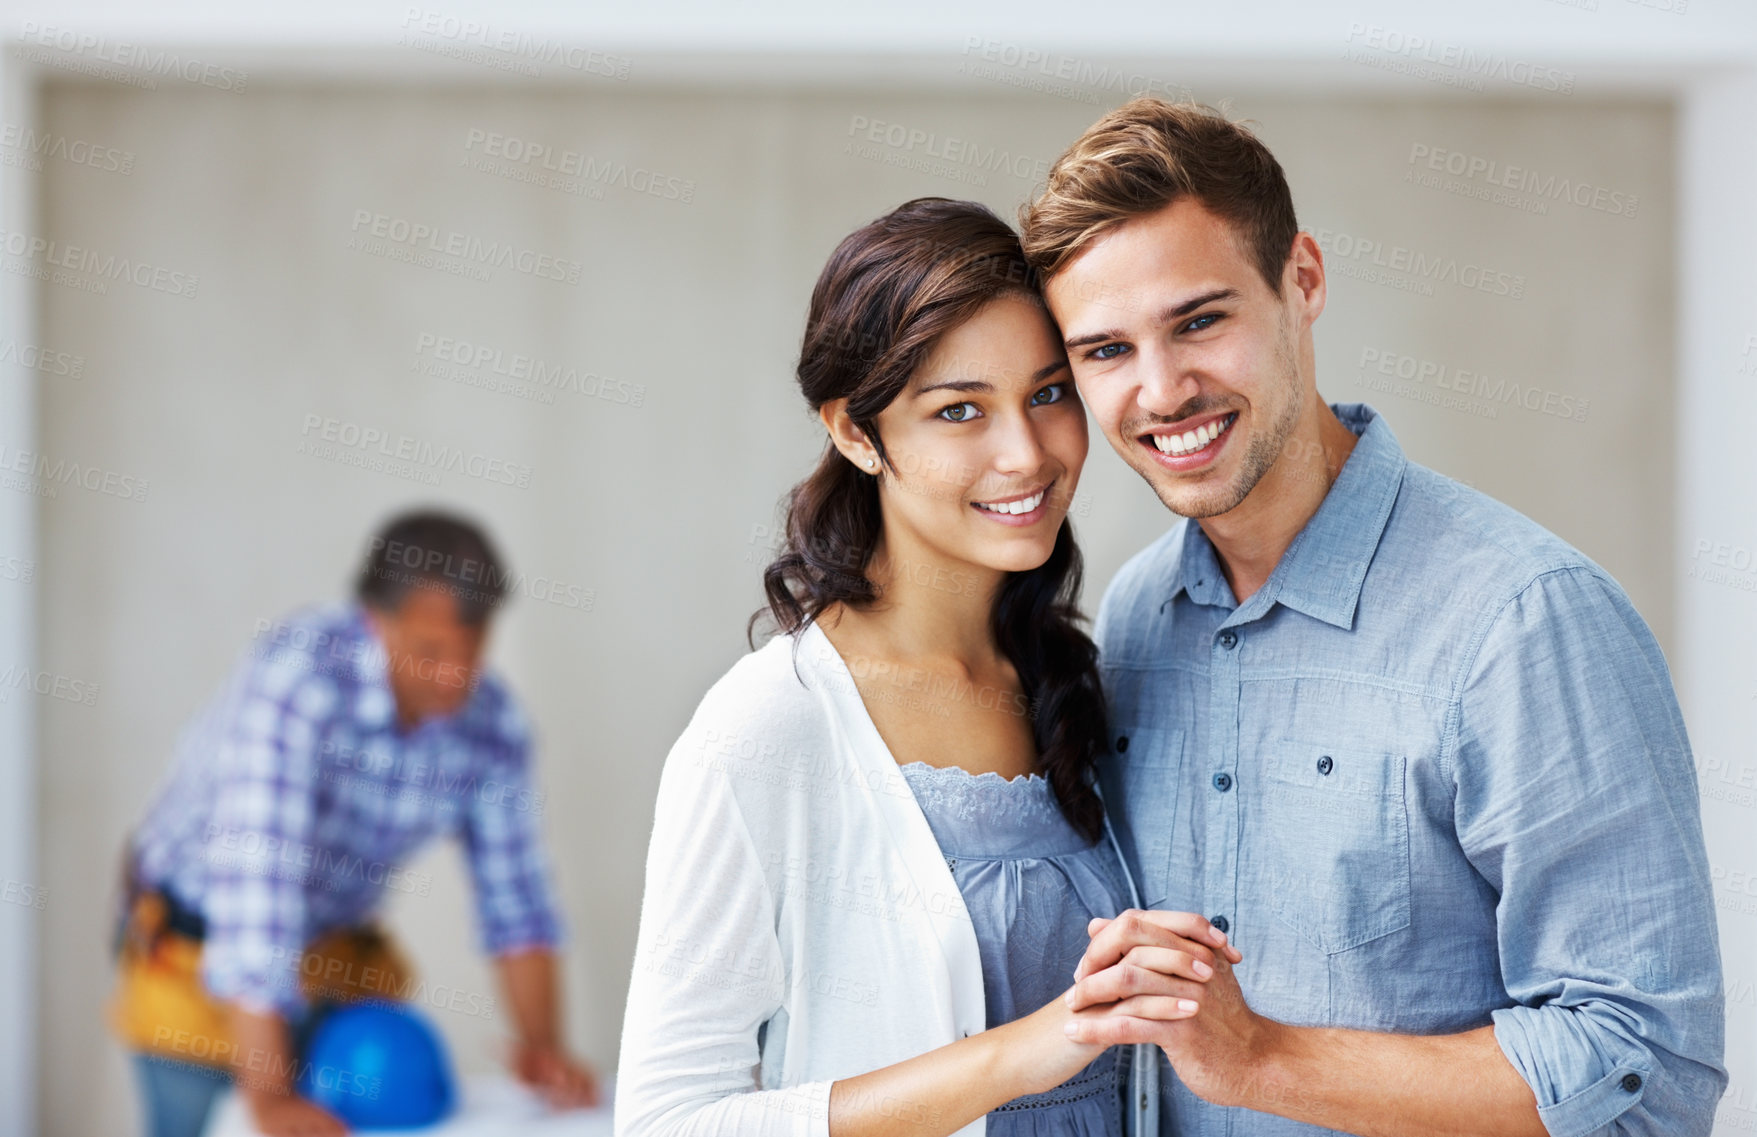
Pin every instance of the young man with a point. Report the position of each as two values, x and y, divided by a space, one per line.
350 737
1419 757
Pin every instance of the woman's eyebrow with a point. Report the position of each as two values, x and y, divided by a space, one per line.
976 385
982 388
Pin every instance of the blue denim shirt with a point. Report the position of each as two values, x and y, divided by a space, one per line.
1432 776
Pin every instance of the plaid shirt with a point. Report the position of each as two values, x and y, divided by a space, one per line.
295 800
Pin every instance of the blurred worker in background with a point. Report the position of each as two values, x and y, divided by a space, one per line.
346 739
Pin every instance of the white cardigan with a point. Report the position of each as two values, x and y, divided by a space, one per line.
800 923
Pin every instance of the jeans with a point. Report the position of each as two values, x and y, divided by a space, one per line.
178 1095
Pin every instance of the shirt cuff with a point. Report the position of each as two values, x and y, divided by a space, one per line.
1582 1078
811 1100
524 936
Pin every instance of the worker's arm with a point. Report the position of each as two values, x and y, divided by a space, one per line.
539 1057
264 1071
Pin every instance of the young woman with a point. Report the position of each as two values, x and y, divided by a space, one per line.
878 844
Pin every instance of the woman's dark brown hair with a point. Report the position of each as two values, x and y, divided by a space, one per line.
889 292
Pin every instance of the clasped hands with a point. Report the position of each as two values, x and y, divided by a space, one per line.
1166 978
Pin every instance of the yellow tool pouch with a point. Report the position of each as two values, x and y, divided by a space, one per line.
160 1006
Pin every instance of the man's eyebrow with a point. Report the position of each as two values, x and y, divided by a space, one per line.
1165 317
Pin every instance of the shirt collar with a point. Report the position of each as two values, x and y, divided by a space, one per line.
1323 569
374 702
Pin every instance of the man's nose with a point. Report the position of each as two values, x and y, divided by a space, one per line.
1165 384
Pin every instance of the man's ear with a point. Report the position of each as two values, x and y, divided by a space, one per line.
846 436
1305 269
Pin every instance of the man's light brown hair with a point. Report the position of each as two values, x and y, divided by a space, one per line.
1143 156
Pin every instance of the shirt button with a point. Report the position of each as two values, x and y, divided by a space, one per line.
1325 765
1223 782
1122 743
1228 639
1631 1082
1220 924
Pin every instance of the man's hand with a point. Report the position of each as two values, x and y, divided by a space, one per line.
1134 961
289 1115
538 1057
552 1072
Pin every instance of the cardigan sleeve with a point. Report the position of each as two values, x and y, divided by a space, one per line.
708 971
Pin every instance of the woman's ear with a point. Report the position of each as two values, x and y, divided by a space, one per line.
846 436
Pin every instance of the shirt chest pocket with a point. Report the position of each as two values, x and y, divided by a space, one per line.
1336 843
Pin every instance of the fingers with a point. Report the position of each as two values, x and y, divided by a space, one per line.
1131 976
1114 1030
1104 985
1183 930
1096 923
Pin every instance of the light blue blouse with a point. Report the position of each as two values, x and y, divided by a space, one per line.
1031 881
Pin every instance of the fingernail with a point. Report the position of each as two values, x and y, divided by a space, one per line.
1201 969
1070 1029
1219 936
1069 997
1182 1005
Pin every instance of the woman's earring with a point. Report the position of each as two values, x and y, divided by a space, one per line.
871 462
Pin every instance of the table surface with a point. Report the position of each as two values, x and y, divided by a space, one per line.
494 1105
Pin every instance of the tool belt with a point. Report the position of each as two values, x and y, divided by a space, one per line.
160 1006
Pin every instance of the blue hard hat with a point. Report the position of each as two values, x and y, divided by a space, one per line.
377 1065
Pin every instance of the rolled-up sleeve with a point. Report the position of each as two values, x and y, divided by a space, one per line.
257 849
503 845
1576 799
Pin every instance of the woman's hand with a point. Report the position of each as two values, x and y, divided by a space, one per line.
1040 1050
1149 964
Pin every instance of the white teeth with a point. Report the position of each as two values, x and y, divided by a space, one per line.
1023 505
1191 440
